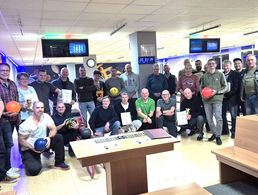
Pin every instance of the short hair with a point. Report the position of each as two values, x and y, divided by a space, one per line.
105 97
97 72
5 64
198 61
42 70
237 59
19 75
227 62
209 60
124 93
155 66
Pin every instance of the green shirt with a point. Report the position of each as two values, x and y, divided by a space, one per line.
145 107
249 82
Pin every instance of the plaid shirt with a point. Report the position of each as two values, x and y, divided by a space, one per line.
7 94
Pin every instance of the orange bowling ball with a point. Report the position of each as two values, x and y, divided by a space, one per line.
13 106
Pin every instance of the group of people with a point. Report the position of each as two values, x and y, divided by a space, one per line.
155 107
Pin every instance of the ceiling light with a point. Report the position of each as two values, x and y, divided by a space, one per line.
118 28
249 33
204 29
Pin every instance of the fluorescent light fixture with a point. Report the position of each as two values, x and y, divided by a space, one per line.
26 37
118 28
249 33
205 29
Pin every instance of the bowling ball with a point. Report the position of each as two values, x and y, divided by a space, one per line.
114 91
13 106
207 92
85 133
70 123
40 144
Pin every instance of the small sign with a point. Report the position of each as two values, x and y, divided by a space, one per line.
147 60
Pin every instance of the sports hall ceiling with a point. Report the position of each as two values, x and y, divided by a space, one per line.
23 22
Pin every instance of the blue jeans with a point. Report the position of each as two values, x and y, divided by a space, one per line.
6 143
86 107
251 104
216 110
233 113
169 122
114 128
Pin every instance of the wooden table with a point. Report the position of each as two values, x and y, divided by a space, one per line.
124 159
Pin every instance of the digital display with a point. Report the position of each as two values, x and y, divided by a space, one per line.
147 60
52 48
204 45
213 46
77 48
196 45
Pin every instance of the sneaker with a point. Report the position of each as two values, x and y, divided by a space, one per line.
191 133
8 179
233 135
12 173
200 137
181 131
15 169
212 138
218 141
62 166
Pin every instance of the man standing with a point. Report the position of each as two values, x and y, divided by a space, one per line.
100 88
249 86
198 69
131 81
114 82
240 70
64 83
84 86
3 155
188 80
230 99
145 108
36 127
44 89
213 106
171 80
104 119
165 112
156 83
9 120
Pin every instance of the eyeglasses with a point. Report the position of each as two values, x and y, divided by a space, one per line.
165 94
5 70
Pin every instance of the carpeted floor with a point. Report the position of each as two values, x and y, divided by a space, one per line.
235 188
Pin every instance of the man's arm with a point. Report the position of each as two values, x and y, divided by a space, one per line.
22 141
1 107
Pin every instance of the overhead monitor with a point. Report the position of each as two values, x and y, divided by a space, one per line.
52 48
204 45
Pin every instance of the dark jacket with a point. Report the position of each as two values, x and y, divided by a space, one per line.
64 85
156 84
120 109
101 116
194 105
172 83
233 79
85 94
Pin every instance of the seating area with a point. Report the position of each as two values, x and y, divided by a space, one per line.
240 162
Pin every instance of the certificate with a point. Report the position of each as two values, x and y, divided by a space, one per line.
181 118
126 118
66 96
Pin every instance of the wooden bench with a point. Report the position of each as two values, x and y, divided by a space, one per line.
188 189
240 162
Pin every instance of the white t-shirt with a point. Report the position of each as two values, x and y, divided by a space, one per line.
35 131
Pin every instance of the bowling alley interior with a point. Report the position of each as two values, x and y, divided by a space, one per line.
128 97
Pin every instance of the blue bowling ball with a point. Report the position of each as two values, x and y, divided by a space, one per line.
40 144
